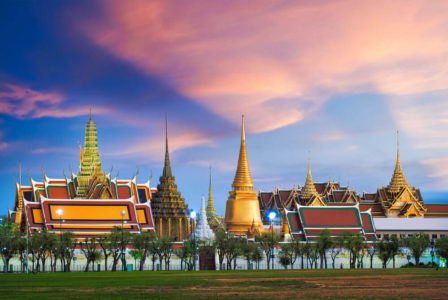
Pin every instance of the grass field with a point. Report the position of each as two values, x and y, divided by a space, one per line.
377 283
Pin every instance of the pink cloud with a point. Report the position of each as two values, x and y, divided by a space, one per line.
437 170
24 102
240 57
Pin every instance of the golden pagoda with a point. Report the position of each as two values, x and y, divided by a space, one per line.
168 207
213 219
309 195
399 199
242 207
90 164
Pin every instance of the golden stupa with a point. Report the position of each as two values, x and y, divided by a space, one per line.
242 208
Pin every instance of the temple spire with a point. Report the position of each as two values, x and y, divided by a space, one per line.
167 166
210 204
243 179
398 180
90 164
309 189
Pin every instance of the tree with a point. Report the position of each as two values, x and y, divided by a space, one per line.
284 259
257 255
90 249
313 254
371 251
324 242
384 251
394 246
142 243
247 251
233 249
297 247
288 251
68 249
442 247
166 245
152 250
117 239
106 247
267 242
335 250
20 247
221 241
185 254
353 243
6 240
417 245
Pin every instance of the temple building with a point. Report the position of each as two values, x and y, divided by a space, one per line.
88 203
242 209
385 208
169 209
214 220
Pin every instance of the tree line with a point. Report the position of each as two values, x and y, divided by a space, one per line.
43 247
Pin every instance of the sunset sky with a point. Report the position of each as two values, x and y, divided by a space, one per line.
332 80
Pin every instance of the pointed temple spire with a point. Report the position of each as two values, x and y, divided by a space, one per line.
90 164
210 204
309 189
203 230
243 179
169 209
398 180
167 166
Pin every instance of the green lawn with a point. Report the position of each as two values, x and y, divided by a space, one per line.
398 283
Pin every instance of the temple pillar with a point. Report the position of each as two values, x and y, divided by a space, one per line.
160 227
169 226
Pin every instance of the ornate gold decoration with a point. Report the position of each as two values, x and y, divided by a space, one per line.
90 164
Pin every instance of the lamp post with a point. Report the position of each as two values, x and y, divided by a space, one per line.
122 239
59 212
193 217
26 255
272 216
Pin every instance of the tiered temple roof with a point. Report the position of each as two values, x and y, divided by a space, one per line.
91 202
307 222
169 208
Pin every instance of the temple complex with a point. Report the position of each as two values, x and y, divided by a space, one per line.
242 208
88 203
169 209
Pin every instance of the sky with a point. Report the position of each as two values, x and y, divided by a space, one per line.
329 81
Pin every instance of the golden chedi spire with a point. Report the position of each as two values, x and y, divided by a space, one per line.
243 179
211 211
309 189
242 207
398 180
90 164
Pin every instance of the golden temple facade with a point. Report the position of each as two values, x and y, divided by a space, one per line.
168 207
399 199
242 207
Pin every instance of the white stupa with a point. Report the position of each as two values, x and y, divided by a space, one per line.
203 230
